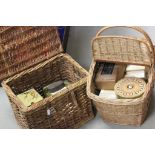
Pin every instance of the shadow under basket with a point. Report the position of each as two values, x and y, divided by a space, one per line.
69 108
123 50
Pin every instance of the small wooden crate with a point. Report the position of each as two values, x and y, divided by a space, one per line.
126 50
38 60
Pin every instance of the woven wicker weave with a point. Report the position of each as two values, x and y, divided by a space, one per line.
112 49
22 47
69 108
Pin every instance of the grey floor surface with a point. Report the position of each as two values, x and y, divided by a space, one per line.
7 119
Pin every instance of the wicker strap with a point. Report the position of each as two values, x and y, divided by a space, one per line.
138 29
74 98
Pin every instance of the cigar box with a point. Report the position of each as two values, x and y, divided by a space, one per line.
136 71
134 68
137 74
108 94
108 74
30 97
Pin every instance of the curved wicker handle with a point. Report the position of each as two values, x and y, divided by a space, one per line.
134 28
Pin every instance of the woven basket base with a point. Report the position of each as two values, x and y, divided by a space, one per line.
135 120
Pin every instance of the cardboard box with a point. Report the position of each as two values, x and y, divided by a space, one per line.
136 71
108 74
108 94
30 97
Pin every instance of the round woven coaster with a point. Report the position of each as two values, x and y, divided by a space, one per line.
130 88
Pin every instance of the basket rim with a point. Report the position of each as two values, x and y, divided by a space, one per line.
50 98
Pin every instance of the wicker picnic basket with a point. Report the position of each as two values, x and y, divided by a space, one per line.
32 57
126 50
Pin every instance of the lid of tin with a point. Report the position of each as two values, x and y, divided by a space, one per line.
130 88
22 47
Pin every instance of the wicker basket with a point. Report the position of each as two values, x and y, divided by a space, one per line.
38 52
127 50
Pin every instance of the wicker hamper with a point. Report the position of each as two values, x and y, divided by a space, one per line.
126 50
32 57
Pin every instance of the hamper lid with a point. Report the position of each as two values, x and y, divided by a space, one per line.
22 47
129 50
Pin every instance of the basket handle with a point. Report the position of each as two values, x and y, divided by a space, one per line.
138 29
